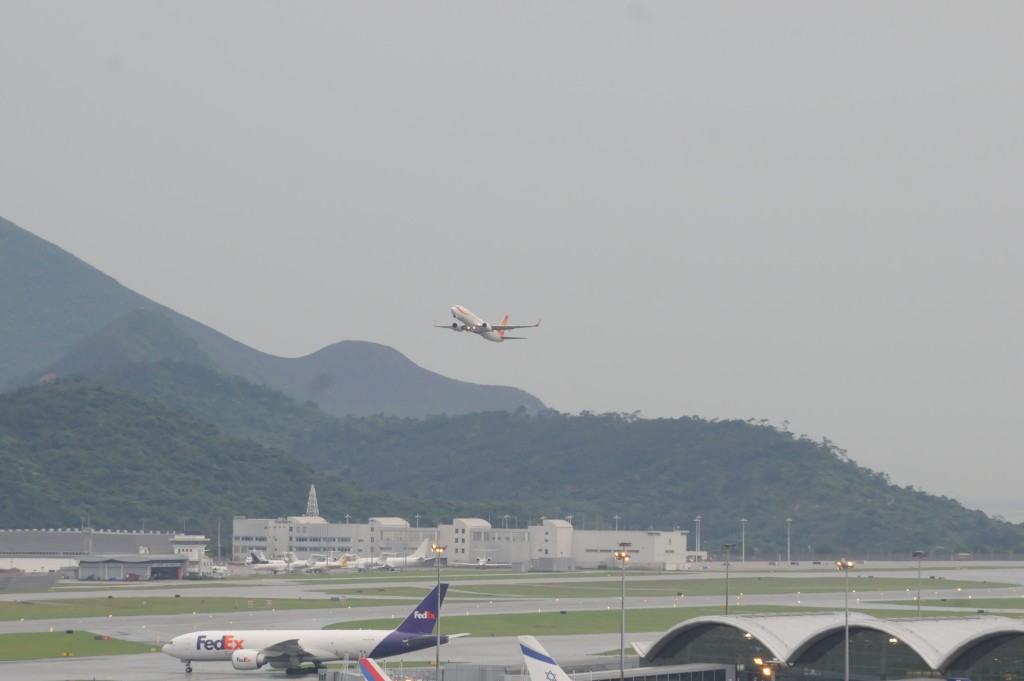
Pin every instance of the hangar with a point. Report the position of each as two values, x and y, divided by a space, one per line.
133 567
811 646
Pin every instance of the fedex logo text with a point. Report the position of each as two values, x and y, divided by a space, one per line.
226 642
428 615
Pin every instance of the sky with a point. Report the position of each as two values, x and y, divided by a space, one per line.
799 212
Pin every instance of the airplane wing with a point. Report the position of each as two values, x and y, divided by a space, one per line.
509 327
291 652
430 638
285 651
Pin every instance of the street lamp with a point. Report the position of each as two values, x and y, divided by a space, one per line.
417 517
743 540
919 555
789 523
438 550
728 548
846 565
623 555
697 523
616 519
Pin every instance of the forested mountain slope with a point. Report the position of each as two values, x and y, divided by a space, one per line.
82 448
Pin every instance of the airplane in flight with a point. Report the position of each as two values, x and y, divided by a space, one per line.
539 665
291 648
492 332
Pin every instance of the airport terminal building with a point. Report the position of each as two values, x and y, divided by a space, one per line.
811 646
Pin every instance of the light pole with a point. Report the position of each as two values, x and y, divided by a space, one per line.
417 516
789 524
616 519
438 550
846 565
728 548
919 555
623 555
743 540
697 523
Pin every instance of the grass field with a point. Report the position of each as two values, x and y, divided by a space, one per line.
61 644
608 621
467 592
78 608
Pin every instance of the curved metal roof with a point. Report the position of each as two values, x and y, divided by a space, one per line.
938 641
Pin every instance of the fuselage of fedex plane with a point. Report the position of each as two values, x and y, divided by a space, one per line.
323 644
292 648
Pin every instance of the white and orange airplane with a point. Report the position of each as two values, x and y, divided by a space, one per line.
492 332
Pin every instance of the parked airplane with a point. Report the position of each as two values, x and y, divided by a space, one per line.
295 564
327 564
539 665
492 332
258 563
291 648
414 559
482 563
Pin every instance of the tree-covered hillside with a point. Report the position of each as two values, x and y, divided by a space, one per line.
81 448
656 474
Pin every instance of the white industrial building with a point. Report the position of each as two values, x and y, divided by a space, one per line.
553 545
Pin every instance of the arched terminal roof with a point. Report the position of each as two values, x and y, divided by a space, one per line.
938 641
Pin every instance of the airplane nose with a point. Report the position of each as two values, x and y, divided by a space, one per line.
168 647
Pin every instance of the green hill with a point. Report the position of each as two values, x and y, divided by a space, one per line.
81 448
655 474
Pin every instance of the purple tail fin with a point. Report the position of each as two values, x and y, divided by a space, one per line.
421 621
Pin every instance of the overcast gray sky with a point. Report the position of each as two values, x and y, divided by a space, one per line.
802 212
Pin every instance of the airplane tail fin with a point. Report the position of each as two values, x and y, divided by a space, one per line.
372 671
539 664
504 321
421 552
421 621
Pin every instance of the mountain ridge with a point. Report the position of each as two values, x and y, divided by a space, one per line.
63 317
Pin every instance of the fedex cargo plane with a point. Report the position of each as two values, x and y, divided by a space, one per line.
289 649
467 321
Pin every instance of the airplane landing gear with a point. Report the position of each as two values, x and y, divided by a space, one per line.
188 667
299 671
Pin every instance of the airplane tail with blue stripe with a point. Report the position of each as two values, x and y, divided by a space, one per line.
372 671
540 665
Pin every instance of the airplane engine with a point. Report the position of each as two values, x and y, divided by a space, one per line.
485 326
455 326
248 659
